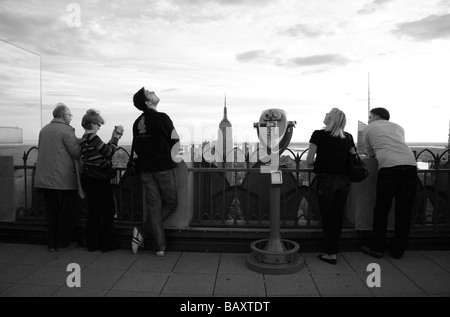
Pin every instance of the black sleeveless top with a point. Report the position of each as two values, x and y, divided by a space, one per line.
332 152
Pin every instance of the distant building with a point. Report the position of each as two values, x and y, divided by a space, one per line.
225 140
448 145
360 146
225 137
10 135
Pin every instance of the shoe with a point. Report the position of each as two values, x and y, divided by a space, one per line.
160 253
330 261
397 255
369 251
71 246
137 241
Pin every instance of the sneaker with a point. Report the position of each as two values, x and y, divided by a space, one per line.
137 240
369 251
160 253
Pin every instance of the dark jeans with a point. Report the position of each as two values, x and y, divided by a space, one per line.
332 194
399 182
60 213
100 217
160 190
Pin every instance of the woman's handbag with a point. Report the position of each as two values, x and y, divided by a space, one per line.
357 168
132 165
103 171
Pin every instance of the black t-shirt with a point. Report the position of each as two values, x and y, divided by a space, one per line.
153 141
332 152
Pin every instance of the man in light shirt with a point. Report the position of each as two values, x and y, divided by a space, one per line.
397 178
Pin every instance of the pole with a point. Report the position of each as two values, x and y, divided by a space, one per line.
368 95
40 84
274 244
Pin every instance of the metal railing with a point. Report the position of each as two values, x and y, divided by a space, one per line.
127 193
432 202
237 194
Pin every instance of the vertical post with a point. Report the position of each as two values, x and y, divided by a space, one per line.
368 95
40 83
274 244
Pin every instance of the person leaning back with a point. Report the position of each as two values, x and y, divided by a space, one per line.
154 137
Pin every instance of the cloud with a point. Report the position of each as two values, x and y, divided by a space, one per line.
43 33
444 3
316 60
304 30
429 28
221 2
261 56
373 6
256 56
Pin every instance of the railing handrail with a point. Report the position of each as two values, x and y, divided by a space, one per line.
303 178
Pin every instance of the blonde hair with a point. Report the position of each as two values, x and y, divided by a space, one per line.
91 117
336 123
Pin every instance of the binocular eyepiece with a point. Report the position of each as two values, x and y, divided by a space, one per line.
274 131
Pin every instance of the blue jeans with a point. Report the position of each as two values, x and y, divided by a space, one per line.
160 189
332 195
399 182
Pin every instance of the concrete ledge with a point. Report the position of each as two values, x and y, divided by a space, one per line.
34 232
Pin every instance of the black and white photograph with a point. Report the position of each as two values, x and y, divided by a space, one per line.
228 155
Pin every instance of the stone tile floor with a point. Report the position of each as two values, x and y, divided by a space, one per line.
32 271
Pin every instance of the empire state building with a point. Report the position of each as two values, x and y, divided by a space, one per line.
225 138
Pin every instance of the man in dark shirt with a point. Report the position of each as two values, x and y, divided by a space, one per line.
154 139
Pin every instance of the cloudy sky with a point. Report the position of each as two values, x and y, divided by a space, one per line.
303 56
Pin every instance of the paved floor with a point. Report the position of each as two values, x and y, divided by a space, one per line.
30 270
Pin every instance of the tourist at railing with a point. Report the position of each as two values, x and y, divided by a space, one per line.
96 177
331 146
56 177
397 177
154 137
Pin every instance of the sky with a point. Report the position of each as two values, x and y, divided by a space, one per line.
302 56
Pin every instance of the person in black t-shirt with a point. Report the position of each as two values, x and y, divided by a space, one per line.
154 141
331 147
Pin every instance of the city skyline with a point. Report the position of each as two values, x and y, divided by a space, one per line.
304 57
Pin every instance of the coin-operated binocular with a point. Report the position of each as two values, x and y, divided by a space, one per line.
274 131
274 255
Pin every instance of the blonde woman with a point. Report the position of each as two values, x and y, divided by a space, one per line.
101 208
329 149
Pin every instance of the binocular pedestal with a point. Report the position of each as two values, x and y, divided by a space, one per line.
275 255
